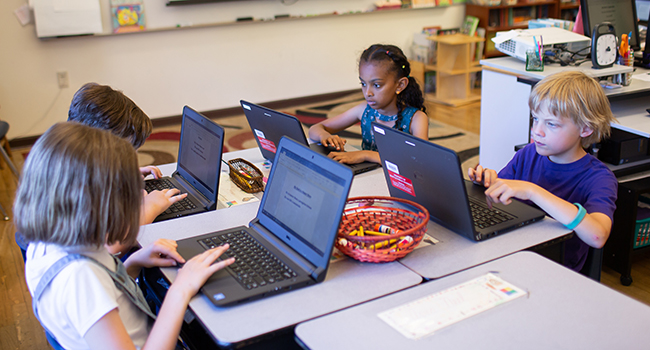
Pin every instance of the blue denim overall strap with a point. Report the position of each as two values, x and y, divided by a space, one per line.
122 281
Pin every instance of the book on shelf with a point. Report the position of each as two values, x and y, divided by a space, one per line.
423 49
469 25
127 15
480 48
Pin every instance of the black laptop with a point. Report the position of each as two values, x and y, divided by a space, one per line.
289 243
269 126
431 175
198 167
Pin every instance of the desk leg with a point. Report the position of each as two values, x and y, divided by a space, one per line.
619 246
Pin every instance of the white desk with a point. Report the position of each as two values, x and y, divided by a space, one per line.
563 310
455 253
504 105
347 283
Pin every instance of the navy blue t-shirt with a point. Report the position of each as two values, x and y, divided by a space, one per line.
586 181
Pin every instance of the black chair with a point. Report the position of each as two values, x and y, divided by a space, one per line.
594 264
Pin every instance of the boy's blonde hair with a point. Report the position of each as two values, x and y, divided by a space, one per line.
575 95
80 186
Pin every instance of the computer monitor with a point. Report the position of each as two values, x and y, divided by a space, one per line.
620 13
643 10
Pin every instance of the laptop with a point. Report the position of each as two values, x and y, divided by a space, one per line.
269 126
198 167
431 175
290 240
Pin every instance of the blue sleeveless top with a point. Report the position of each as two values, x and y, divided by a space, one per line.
370 115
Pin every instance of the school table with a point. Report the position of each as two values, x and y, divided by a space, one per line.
562 310
347 282
453 253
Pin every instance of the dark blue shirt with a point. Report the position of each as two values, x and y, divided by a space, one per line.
586 181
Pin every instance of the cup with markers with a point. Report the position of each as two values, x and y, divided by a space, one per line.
245 175
381 229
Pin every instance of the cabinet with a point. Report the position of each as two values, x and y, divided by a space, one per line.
507 17
454 67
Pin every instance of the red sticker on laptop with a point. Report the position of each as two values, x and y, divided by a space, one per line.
398 181
266 144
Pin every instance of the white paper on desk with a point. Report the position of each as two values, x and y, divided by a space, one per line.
642 76
230 194
426 315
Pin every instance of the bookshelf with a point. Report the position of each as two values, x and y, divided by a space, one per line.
454 67
507 17
569 10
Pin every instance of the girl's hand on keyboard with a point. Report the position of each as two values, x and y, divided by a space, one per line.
197 270
151 170
157 202
161 253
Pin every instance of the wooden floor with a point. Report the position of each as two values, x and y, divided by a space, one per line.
19 329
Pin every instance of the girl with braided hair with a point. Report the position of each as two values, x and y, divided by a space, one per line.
392 98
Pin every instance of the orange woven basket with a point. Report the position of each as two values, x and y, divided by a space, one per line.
246 175
404 223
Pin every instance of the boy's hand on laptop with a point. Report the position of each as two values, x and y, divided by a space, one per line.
197 270
334 141
151 170
157 202
482 176
504 190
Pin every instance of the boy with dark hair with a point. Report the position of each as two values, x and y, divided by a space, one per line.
102 107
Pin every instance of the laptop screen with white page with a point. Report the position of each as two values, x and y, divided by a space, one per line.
296 224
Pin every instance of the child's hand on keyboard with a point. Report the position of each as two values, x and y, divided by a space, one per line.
157 202
151 170
197 270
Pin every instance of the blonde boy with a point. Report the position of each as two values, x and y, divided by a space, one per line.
570 112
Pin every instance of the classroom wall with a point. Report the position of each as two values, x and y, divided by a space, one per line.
208 68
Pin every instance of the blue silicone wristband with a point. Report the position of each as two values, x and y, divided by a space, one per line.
578 219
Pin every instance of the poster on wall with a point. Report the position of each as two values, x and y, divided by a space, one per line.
127 16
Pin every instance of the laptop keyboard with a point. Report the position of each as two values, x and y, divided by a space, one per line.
162 184
254 265
485 217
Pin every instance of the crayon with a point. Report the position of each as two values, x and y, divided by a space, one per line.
386 229
375 233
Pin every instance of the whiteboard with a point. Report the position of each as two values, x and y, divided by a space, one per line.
67 17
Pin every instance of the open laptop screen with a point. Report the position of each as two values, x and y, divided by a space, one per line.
199 153
304 199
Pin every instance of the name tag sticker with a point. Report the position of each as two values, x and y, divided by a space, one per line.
259 133
401 183
392 167
379 130
267 144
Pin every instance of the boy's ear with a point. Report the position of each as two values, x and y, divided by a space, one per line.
402 83
586 131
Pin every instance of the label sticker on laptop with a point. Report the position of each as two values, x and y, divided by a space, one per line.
259 134
401 183
379 130
392 167
267 144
